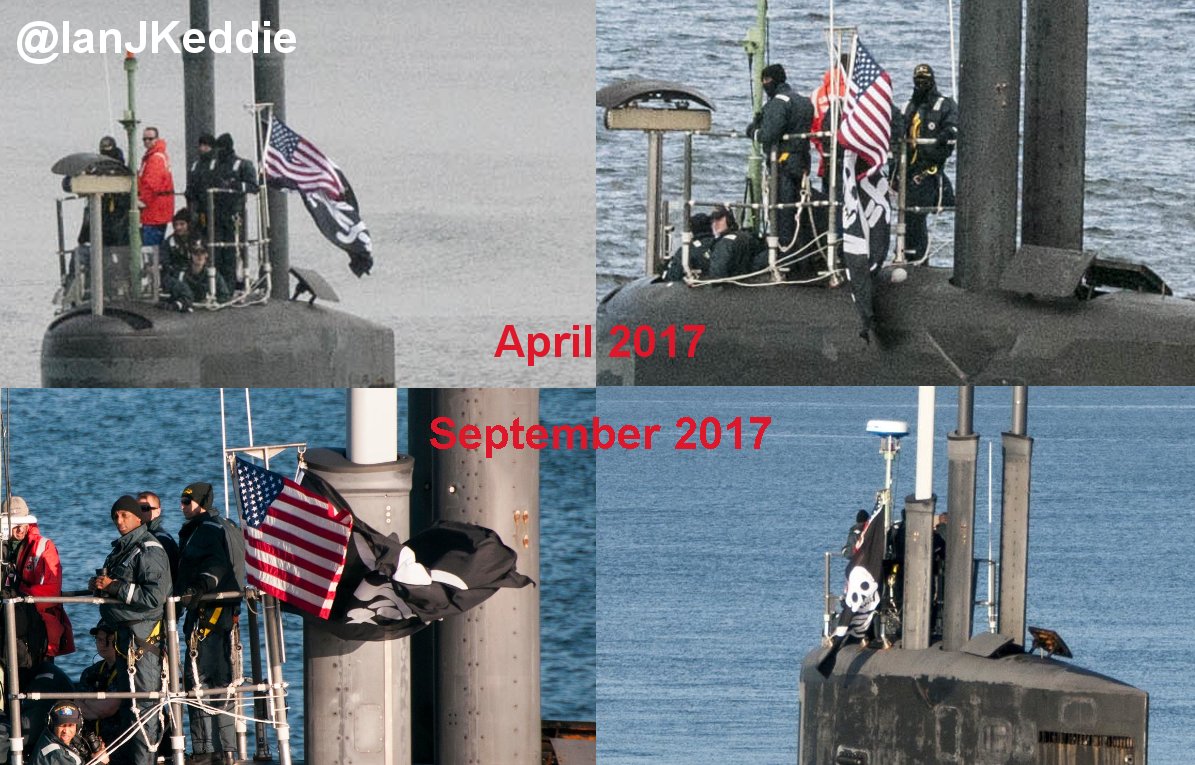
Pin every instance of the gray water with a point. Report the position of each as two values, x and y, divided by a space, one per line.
1140 129
464 129
711 566
75 452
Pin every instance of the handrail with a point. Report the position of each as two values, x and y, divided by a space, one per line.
274 685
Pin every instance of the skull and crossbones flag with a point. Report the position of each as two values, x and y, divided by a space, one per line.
391 589
861 596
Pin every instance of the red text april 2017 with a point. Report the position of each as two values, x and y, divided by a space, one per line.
641 341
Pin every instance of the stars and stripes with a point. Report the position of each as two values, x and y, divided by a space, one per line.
295 540
867 118
293 162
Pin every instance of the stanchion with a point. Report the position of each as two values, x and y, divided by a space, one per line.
277 692
177 741
262 749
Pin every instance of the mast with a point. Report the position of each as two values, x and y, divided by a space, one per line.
962 451
199 77
357 694
269 87
756 46
130 128
1014 521
919 532
989 93
485 695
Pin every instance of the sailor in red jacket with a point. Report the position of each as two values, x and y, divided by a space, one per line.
37 571
155 188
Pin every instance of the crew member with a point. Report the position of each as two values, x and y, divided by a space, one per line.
733 251
699 250
151 516
175 253
927 115
198 180
233 177
102 715
155 189
136 575
54 746
114 208
212 560
37 571
785 113
852 536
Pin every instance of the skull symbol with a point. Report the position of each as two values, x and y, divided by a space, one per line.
862 591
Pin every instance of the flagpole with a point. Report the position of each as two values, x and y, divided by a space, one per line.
224 447
377 481
269 86
263 207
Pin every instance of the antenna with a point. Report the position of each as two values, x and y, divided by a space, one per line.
991 561
890 433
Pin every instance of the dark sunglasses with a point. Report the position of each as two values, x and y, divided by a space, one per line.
147 508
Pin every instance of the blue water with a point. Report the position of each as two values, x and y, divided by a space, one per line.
1139 193
710 563
75 451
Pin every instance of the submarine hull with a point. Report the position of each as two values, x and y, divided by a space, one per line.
928 332
279 344
901 707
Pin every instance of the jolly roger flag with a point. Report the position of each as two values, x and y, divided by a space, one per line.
390 589
294 163
862 593
339 220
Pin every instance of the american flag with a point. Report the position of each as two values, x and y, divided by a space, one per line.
294 163
867 118
295 540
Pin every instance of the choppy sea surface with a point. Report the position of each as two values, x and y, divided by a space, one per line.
1139 191
464 128
711 563
75 452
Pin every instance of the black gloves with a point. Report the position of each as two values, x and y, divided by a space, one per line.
753 125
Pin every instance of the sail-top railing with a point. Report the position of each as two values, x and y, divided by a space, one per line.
171 696
257 288
767 209
903 206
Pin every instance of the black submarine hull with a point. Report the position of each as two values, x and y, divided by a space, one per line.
900 707
278 344
928 332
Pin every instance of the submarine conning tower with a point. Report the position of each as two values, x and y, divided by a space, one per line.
1041 311
115 331
966 699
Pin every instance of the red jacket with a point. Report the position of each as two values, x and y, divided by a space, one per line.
155 186
39 573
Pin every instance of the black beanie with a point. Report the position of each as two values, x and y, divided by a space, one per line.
200 493
224 143
775 73
207 139
128 504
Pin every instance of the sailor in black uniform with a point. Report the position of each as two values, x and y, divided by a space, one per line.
734 250
928 114
699 250
212 560
785 113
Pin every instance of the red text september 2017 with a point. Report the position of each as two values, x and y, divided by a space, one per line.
690 434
